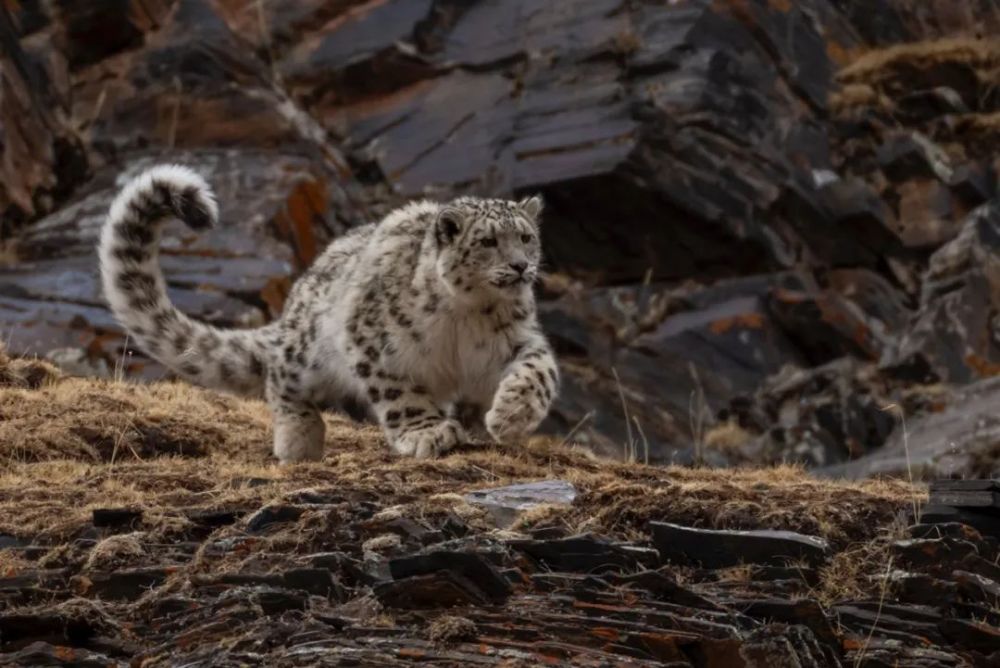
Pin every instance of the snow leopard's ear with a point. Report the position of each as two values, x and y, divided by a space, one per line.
532 207
448 226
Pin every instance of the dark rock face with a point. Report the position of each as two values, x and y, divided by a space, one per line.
274 209
726 207
123 585
660 118
42 159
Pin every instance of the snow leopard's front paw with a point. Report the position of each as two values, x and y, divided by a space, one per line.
516 412
428 442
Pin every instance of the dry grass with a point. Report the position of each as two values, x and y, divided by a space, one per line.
736 574
727 437
116 551
859 95
386 542
626 43
451 628
876 66
876 78
12 563
861 569
103 421
984 127
25 373
181 448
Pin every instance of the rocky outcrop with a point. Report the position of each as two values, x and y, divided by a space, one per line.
957 440
394 589
738 193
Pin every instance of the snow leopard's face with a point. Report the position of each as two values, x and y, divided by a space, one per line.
489 247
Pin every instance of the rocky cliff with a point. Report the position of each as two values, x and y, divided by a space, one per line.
767 221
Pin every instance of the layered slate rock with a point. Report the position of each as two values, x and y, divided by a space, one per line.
155 82
653 106
718 549
458 593
971 503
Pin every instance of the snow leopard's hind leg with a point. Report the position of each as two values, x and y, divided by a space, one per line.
299 431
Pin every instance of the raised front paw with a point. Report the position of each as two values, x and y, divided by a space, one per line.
428 442
515 414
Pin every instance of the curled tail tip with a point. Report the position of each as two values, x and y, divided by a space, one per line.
182 189
193 200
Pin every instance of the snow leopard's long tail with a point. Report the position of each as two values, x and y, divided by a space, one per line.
230 359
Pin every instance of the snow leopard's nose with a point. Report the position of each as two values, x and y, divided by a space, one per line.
519 267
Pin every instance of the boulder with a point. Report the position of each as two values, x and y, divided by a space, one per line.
462 565
117 518
713 548
507 503
952 333
955 442
661 119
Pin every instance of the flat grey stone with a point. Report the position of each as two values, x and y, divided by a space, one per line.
507 503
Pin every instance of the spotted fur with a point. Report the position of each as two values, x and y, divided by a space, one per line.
426 319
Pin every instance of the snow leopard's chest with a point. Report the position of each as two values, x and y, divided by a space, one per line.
461 357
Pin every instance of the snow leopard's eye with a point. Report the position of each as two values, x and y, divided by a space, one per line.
526 238
489 242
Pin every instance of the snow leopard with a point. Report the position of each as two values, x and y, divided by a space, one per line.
426 319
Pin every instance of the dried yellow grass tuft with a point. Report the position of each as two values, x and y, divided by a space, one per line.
874 67
73 445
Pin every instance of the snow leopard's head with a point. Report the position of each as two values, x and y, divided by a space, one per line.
489 247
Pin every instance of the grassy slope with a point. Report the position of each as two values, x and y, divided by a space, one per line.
68 446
